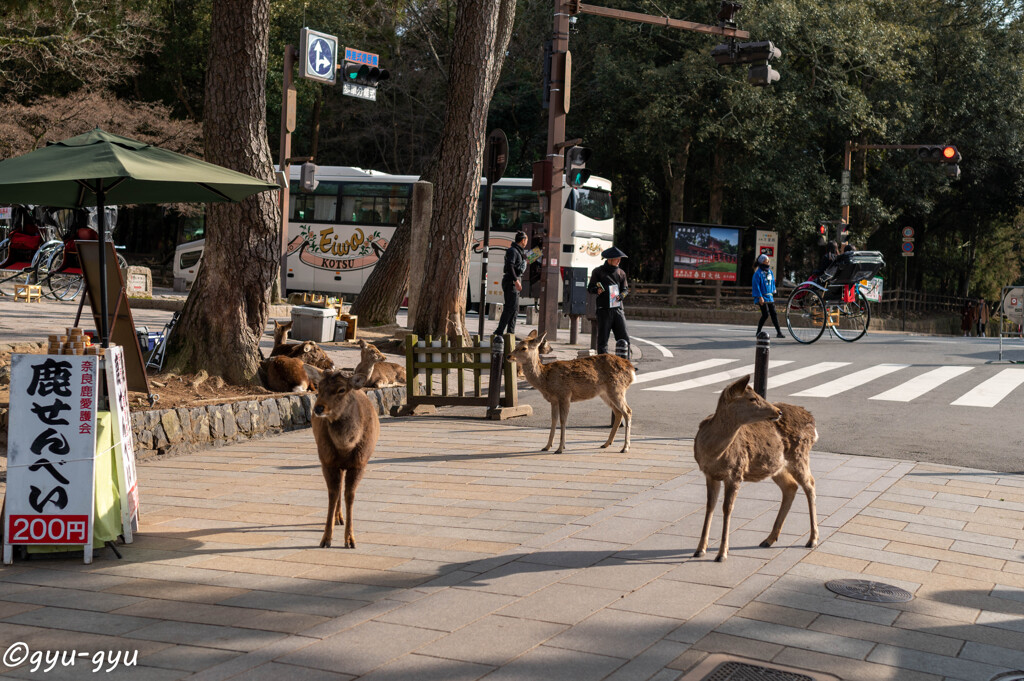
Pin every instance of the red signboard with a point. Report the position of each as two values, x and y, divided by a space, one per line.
48 529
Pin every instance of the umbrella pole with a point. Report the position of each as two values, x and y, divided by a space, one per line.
104 329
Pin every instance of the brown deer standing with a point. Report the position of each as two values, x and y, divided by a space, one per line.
345 427
374 369
308 351
750 439
575 380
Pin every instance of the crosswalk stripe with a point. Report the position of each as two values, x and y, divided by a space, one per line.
850 381
919 385
989 393
800 374
685 369
715 378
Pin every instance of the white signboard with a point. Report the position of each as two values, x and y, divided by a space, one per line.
124 442
768 243
5 212
1013 304
872 289
360 91
51 452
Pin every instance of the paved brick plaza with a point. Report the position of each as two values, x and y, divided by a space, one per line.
479 556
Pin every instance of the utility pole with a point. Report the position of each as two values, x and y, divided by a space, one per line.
558 107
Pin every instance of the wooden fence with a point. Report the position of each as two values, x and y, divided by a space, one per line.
434 359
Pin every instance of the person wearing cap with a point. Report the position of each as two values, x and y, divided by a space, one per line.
610 285
512 284
764 293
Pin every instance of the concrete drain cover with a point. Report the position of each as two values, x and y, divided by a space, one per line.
863 590
719 667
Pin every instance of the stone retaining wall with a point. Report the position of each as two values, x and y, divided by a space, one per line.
160 432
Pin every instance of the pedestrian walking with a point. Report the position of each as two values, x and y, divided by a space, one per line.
512 284
608 281
982 316
967 316
764 293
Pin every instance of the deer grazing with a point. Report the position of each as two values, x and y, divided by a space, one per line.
576 380
750 439
308 351
374 370
345 427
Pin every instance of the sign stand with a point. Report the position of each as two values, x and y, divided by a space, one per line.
1011 302
53 449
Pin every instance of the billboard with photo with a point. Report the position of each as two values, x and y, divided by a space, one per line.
705 251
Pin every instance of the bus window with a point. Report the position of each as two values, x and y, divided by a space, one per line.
595 204
375 203
321 205
511 208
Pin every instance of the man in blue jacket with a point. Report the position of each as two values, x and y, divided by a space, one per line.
764 293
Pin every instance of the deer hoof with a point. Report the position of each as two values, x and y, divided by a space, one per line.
325 543
605 445
698 553
623 450
811 544
559 450
720 558
350 542
544 449
766 544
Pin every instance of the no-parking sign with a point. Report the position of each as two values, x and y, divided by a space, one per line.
1013 304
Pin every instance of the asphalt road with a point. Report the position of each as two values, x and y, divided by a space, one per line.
938 399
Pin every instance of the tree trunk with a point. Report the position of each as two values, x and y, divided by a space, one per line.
383 291
482 31
226 311
675 171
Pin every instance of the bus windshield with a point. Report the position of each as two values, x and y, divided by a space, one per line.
595 204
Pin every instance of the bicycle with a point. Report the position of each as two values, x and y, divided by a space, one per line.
835 301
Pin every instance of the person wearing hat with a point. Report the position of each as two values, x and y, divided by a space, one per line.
512 283
764 293
609 283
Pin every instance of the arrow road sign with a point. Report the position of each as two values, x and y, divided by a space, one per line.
319 56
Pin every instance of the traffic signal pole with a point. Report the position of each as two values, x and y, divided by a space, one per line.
557 109
288 102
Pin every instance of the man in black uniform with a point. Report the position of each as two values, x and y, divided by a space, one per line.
609 283
512 283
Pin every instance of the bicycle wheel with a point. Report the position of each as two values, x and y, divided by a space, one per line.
805 315
61 285
853 318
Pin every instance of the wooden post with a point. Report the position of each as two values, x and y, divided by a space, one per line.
411 381
461 379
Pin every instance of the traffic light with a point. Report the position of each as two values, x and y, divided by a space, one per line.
307 177
364 74
756 54
727 13
575 166
947 155
822 235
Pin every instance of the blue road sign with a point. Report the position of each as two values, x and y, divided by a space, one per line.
319 56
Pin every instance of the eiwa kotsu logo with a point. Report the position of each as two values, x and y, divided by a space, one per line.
326 251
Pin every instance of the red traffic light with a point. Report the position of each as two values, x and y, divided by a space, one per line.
821 229
948 152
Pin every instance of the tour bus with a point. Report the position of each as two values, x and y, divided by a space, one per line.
338 232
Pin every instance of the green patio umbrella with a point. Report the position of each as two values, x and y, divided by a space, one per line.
100 169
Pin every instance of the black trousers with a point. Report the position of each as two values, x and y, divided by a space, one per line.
768 309
508 314
610 320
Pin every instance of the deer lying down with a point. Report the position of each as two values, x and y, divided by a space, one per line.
750 439
375 371
308 351
288 374
575 380
345 427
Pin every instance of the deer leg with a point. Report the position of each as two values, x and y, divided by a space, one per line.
788 486
339 519
551 434
806 480
731 488
713 487
563 416
616 419
628 415
332 476
352 478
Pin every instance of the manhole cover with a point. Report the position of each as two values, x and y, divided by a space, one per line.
864 590
741 671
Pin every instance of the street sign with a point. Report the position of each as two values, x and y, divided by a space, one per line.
1013 304
368 58
908 233
908 248
497 155
844 189
360 91
768 243
319 56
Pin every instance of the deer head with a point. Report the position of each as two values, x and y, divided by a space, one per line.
332 398
740 403
528 347
369 352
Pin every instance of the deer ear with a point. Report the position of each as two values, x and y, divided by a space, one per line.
738 387
544 348
362 342
531 335
308 347
540 341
